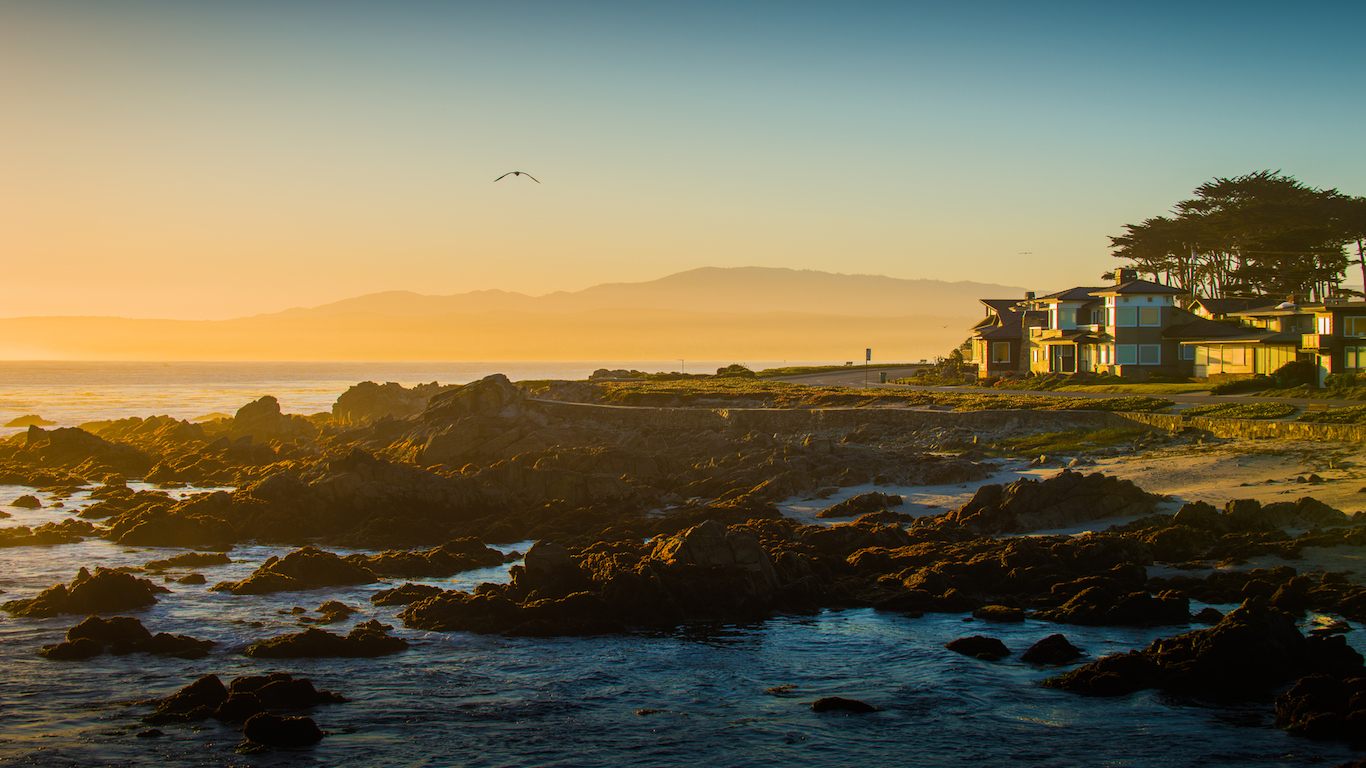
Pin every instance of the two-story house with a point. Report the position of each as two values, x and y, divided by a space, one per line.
998 339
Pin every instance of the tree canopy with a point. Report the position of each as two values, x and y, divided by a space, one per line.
1261 234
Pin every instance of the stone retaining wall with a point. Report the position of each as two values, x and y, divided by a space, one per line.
798 420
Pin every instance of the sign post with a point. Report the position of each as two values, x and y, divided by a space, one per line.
867 358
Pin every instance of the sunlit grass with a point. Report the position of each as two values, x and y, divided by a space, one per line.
1135 389
1069 441
1242 410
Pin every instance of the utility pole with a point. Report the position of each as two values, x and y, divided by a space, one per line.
867 358
681 367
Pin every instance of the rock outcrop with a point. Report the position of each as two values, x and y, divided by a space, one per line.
365 640
105 591
302 569
122 635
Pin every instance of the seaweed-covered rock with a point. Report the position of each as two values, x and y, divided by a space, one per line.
190 560
105 591
405 595
196 701
453 557
1062 500
1325 707
68 531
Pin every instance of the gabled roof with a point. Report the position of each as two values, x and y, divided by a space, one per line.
1137 286
1275 309
1003 326
1079 293
1002 332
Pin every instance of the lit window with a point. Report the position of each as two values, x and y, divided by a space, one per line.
1325 325
1000 352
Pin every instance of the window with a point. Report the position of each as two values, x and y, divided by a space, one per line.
1149 354
1325 325
1235 355
1354 357
1149 316
1033 355
1150 299
1354 326
1126 354
1187 352
1126 317
1000 351
1105 355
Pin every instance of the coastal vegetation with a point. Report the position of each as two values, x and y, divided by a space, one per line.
1242 410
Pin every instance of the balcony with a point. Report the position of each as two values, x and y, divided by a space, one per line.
1319 341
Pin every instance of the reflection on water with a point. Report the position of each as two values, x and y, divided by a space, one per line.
711 694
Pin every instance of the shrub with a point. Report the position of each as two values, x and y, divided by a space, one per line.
1344 381
1295 373
1242 410
735 371
1255 384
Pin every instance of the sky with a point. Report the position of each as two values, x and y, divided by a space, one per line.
209 160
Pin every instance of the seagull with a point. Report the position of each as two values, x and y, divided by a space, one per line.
519 173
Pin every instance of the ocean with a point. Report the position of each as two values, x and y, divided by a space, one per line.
72 393
712 694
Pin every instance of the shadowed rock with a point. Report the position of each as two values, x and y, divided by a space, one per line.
840 704
979 647
275 731
1052 650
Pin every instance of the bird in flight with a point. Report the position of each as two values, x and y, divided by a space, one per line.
519 173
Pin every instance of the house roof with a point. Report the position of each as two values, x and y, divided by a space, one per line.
1080 293
1201 328
1137 286
1275 310
1001 305
1261 337
1000 332
1226 306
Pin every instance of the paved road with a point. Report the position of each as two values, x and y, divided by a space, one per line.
855 378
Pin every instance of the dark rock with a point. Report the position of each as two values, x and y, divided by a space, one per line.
27 502
365 640
1324 707
196 701
302 569
275 731
150 733
840 704
1000 613
1050 651
405 595
104 592
980 647
193 559
1253 648
1063 500
862 504
1100 606
192 578
72 650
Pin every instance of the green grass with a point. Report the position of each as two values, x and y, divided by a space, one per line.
777 394
1069 441
1355 414
1135 389
1242 410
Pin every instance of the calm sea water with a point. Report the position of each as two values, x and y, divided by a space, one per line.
71 393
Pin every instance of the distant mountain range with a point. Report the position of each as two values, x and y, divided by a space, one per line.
709 289
749 313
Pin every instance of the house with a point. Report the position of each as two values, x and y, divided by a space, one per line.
1126 329
1218 309
998 339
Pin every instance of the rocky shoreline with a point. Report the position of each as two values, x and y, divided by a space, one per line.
641 528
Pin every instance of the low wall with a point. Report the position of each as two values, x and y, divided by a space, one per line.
798 420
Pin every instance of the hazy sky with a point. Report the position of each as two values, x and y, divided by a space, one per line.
188 159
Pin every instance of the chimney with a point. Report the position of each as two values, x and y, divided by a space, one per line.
1125 276
1029 295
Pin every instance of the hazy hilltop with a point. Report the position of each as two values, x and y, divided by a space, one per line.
708 289
749 313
